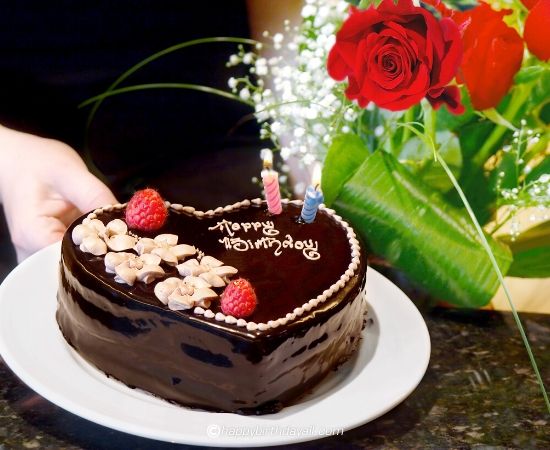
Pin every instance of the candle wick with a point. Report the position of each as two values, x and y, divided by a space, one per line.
317 186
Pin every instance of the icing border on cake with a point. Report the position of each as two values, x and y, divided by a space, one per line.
298 311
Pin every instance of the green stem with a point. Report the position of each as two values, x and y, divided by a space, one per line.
500 276
537 149
501 224
99 99
520 94
154 57
408 118
429 124
430 117
140 87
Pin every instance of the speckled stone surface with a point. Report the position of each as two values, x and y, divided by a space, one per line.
479 392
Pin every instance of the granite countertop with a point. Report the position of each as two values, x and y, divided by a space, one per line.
479 391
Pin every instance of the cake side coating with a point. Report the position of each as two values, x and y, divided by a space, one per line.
202 362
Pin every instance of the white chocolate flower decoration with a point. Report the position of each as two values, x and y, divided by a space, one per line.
96 238
181 294
211 270
87 236
128 267
166 246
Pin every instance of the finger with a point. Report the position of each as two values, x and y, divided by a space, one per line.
84 190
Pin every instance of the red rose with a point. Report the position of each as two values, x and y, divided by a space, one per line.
395 55
536 33
492 54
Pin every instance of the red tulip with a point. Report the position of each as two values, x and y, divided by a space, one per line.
536 33
493 52
529 3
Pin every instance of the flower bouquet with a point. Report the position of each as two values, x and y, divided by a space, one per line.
431 121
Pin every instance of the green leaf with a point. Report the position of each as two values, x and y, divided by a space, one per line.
528 74
364 4
143 87
531 251
446 120
416 230
461 5
478 190
540 169
419 159
473 179
473 135
494 116
505 175
532 263
344 156
99 99
539 100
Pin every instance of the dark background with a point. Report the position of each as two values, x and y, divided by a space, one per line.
196 148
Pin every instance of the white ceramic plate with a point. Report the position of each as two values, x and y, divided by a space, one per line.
391 362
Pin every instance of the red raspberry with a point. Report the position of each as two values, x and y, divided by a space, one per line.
238 299
146 210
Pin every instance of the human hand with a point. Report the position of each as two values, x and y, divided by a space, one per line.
44 186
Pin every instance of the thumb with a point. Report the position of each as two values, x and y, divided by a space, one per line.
84 190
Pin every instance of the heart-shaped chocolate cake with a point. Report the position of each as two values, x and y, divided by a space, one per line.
232 309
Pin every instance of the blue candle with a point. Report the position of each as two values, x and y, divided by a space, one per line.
314 197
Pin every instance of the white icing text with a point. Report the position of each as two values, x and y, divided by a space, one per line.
308 247
267 227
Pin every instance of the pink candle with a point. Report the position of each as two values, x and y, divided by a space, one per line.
270 179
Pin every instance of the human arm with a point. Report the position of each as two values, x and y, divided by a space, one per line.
44 186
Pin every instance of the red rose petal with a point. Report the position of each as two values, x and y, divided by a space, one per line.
452 57
449 96
336 66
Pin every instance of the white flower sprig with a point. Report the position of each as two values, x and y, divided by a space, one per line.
297 104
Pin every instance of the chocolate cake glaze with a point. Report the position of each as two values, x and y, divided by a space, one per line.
205 363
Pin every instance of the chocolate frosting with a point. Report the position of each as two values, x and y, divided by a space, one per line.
204 363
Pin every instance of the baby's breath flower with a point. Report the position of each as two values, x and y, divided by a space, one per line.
301 109
285 153
308 11
244 94
299 132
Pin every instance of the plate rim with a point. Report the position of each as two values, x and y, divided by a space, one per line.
86 412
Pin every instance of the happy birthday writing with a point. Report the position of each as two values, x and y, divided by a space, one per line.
309 247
